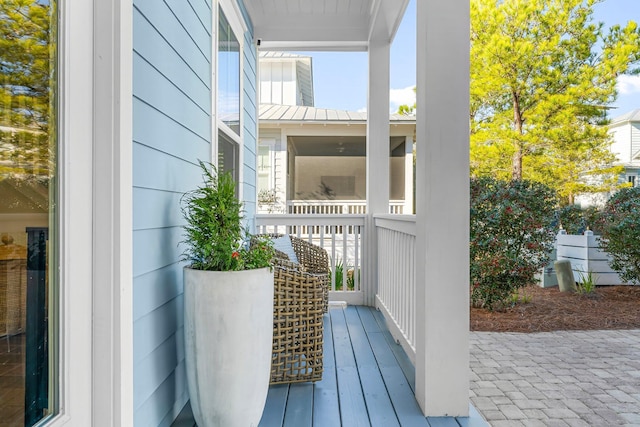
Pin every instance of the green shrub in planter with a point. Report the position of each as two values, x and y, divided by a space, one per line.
620 234
512 234
214 237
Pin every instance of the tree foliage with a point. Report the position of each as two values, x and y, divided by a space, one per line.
512 234
620 238
26 81
542 73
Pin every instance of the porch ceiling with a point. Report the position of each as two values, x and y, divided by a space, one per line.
341 146
324 24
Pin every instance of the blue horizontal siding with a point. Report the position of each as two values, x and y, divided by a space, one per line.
178 37
250 114
159 53
155 89
154 328
155 129
160 171
158 409
192 23
156 209
171 131
202 8
156 248
156 288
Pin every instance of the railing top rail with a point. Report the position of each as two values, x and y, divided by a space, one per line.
310 219
401 223
337 202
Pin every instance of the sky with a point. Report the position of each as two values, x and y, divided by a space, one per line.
340 78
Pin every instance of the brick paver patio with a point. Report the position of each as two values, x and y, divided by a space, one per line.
564 378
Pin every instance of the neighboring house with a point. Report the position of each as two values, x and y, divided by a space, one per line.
625 132
625 136
142 90
313 160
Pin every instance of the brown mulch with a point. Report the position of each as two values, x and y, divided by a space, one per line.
610 307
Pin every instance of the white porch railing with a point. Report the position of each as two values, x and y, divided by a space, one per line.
337 207
342 236
396 277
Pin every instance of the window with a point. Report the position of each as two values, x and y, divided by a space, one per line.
228 75
228 90
28 191
632 179
264 167
228 156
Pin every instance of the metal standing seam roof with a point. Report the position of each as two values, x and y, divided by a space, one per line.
286 113
631 116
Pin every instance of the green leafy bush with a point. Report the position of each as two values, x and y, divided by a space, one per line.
339 273
214 237
575 220
512 234
620 234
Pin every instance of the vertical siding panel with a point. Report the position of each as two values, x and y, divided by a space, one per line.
635 139
172 122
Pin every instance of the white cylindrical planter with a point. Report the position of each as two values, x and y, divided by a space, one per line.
228 325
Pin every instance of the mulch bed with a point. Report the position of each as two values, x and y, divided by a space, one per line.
610 307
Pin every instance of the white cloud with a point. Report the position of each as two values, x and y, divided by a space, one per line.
362 110
628 84
398 97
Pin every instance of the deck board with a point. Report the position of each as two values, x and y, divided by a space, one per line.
367 381
326 409
273 414
353 410
379 406
401 357
299 412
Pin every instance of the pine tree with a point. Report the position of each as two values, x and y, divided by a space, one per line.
542 75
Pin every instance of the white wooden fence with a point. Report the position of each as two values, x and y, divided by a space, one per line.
396 277
342 236
585 255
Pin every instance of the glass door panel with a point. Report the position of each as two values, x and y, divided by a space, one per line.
28 147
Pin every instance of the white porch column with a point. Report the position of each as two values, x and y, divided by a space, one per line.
377 157
442 249
408 175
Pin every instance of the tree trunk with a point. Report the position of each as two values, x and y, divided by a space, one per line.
516 162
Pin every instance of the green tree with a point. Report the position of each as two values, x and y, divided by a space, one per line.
542 73
406 109
26 56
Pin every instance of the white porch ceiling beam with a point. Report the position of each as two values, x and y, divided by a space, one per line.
324 24
442 199
385 19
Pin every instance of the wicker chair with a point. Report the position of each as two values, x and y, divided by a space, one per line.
300 299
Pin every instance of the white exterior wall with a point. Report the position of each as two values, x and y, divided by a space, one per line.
626 141
278 83
278 157
621 146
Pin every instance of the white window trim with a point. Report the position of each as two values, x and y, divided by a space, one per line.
270 144
238 26
95 326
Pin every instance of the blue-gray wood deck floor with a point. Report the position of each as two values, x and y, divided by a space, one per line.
368 380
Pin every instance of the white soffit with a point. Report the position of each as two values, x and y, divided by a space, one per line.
324 24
